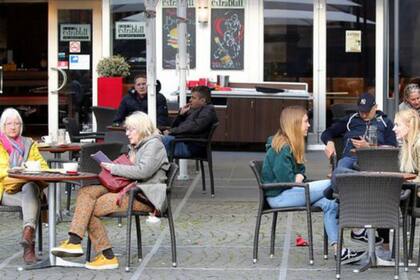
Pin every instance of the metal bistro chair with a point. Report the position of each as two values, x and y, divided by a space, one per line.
104 117
18 209
415 213
130 212
206 155
369 200
73 128
264 208
385 159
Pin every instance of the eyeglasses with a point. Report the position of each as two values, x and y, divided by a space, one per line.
129 129
9 124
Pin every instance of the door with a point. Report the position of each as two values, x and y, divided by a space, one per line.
74 49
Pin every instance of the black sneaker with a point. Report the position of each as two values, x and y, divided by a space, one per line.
349 256
363 238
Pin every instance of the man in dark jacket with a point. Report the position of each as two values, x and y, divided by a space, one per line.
194 120
136 100
354 129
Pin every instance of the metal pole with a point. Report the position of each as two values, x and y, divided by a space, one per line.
151 57
182 65
396 54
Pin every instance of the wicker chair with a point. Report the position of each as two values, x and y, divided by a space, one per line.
205 156
264 208
104 117
129 213
18 209
385 159
369 200
415 213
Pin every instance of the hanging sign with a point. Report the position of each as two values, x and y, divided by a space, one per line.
227 36
227 3
353 41
130 30
173 3
74 32
170 37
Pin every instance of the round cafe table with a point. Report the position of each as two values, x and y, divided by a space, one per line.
52 178
57 150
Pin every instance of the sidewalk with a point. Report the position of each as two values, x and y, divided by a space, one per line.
214 236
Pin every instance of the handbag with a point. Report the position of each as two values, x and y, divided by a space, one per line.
115 183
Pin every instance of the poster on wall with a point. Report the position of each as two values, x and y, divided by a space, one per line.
227 35
170 35
353 41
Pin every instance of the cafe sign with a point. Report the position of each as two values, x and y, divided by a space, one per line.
74 32
130 30
173 3
227 3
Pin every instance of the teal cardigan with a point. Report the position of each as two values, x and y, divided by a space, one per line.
280 167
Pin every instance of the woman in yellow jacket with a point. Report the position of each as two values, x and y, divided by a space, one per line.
14 151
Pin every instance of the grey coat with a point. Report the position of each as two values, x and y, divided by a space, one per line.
149 169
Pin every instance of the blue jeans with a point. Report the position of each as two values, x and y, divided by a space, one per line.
344 165
181 149
296 197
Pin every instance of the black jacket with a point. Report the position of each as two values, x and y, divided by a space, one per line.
195 123
353 126
132 102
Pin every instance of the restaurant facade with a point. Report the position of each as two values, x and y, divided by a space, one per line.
340 48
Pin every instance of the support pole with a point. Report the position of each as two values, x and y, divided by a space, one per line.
151 57
182 65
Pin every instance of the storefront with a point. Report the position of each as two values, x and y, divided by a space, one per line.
341 48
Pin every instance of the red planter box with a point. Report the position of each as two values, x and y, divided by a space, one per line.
110 91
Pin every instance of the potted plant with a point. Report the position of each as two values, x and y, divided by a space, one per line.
111 70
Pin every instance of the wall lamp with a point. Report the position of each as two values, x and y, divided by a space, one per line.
203 11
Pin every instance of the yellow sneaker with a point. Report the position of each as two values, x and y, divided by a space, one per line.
101 262
67 249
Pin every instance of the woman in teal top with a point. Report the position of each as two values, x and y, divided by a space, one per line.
284 163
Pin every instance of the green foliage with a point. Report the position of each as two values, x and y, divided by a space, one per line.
114 66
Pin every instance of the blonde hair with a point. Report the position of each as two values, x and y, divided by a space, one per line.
290 132
141 123
10 113
411 119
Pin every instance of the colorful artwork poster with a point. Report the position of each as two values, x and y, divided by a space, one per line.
170 37
227 39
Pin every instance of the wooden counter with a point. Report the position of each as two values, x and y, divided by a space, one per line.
248 116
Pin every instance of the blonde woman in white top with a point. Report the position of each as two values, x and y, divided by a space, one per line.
407 130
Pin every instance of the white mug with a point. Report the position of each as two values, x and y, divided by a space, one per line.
47 139
70 166
32 165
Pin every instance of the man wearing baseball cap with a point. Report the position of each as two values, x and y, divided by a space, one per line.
354 129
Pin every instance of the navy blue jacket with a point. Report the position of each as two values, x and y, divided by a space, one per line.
132 102
353 126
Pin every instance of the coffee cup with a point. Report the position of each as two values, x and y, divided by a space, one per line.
47 139
32 165
70 166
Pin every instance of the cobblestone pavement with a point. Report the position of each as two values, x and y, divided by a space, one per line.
214 236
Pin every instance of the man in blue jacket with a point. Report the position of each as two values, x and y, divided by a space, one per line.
136 100
354 130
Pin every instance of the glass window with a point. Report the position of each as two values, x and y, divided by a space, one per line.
288 32
127 31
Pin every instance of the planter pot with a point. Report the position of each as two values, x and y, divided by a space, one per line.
110 91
